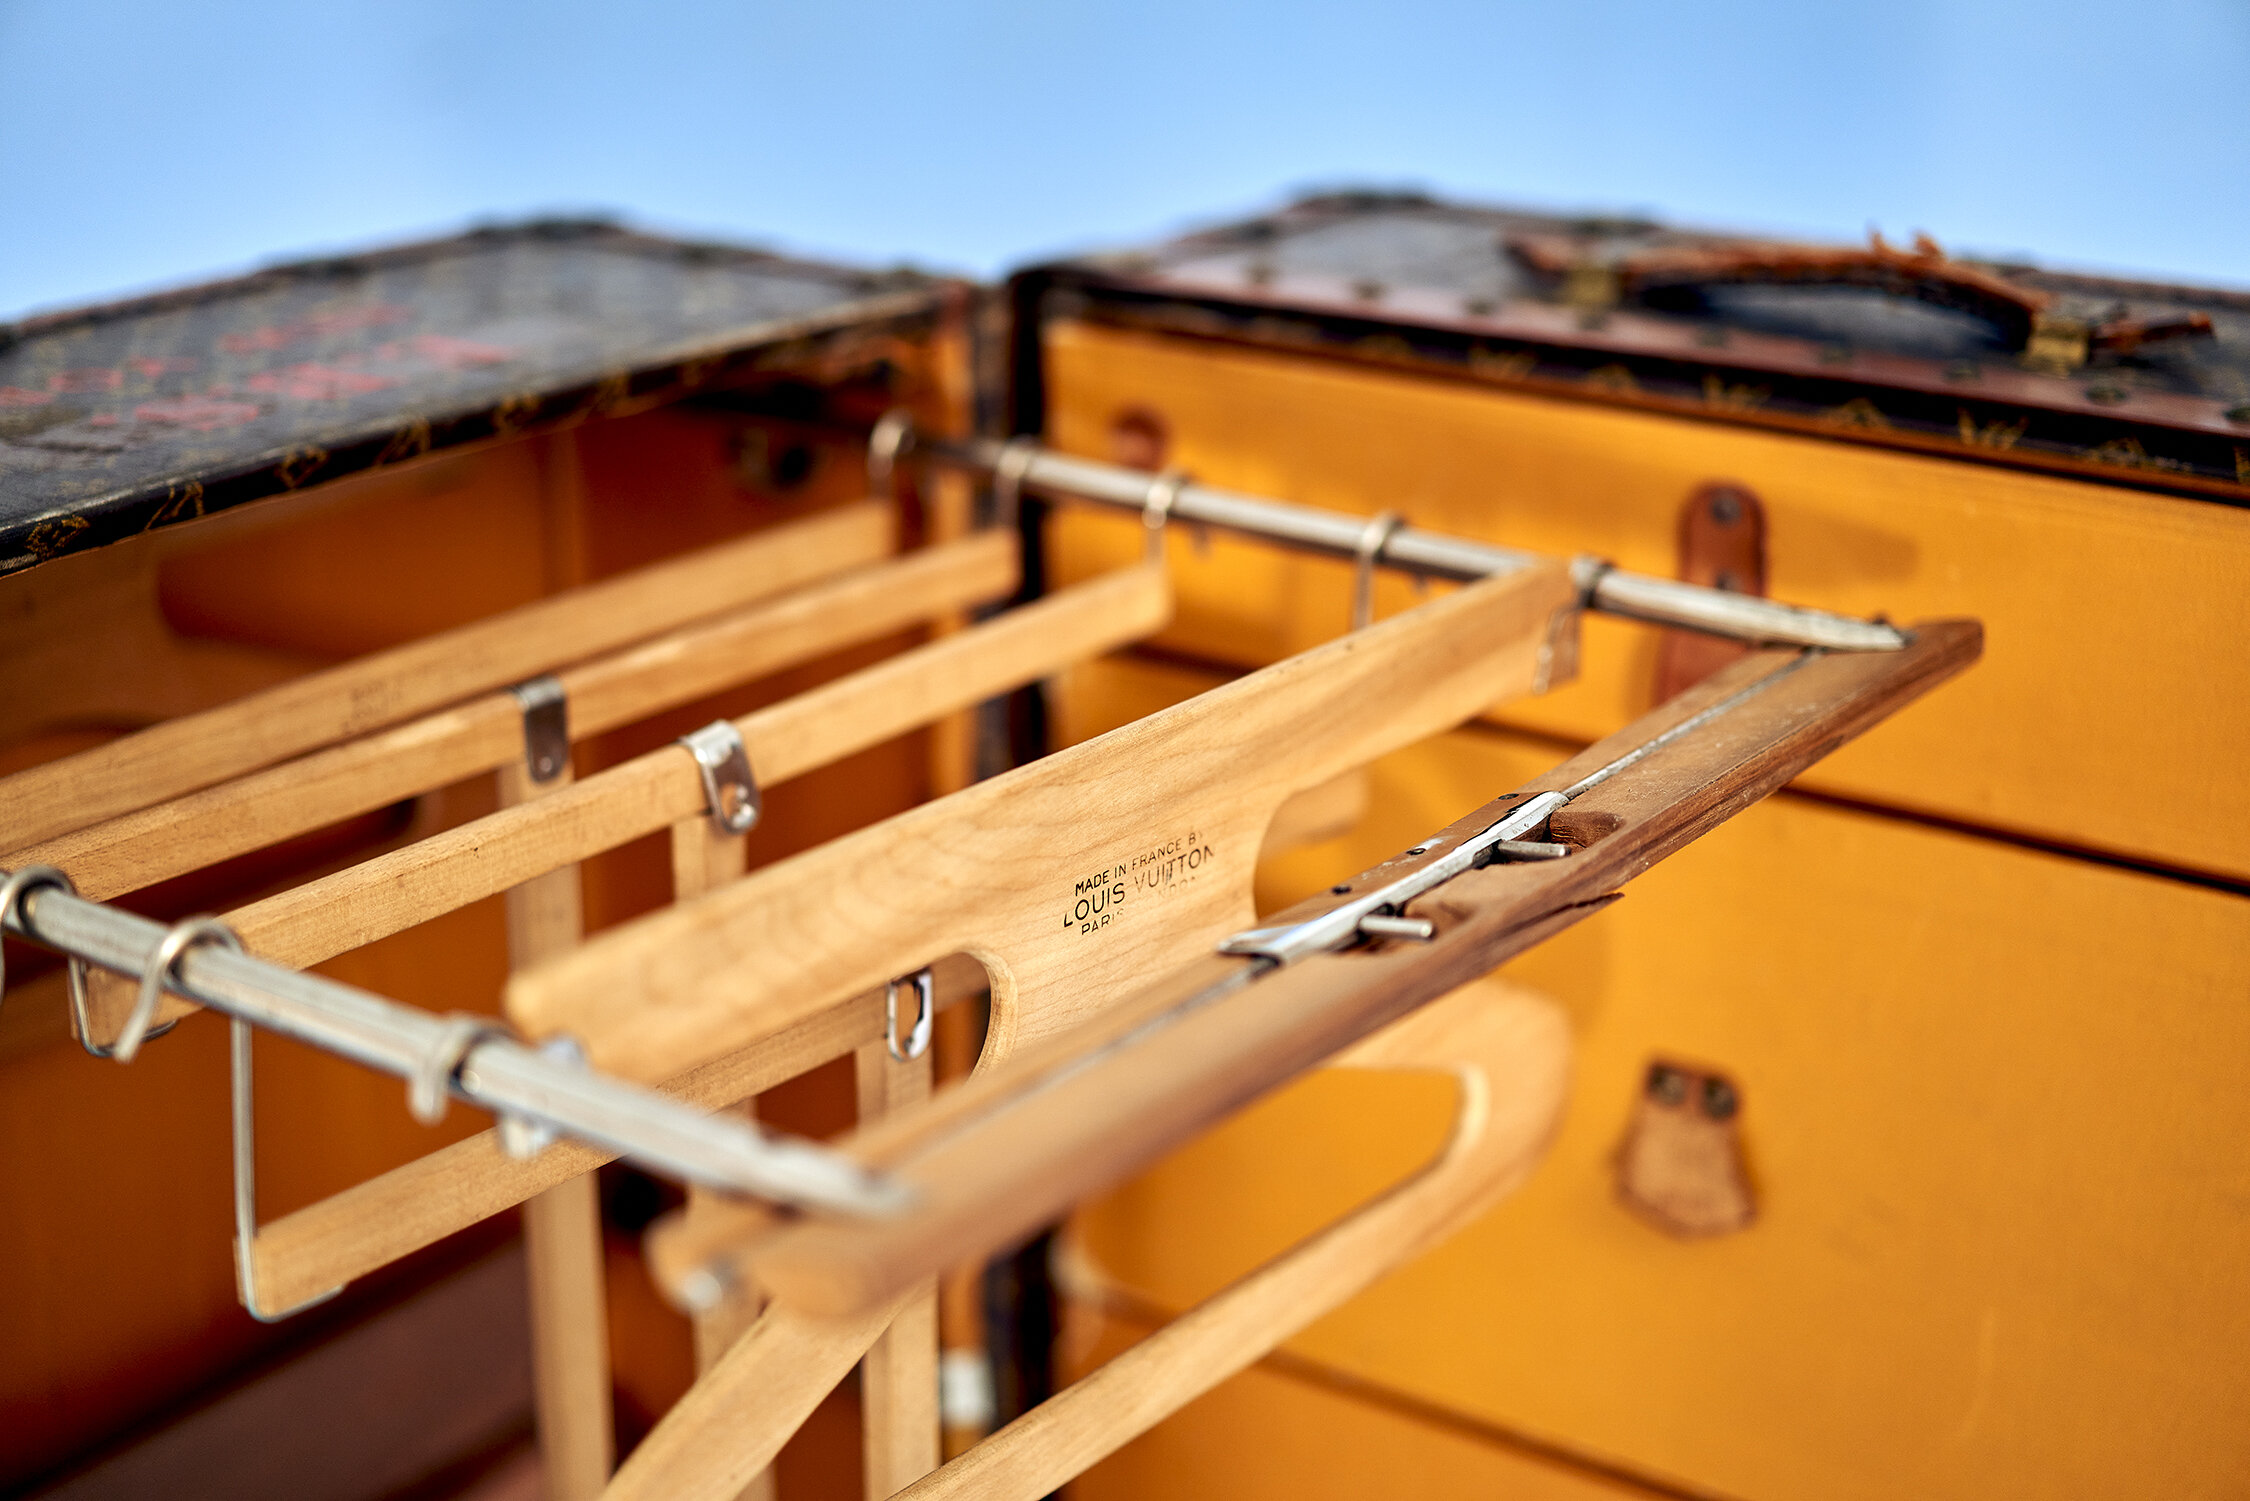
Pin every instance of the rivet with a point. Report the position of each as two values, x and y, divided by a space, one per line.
1726 507
2107 395
1368 289
1666 1085
2240 412
1719 1101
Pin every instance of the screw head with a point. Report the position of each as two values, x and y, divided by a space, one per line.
1343 890
1719 1099
2239 412
1726 507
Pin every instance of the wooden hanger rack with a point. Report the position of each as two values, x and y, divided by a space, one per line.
1061 887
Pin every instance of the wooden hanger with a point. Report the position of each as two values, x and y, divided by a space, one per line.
1011 1148
1508 1047
1116 858
196 750
861 603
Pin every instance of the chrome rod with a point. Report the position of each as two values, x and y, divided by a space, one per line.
467 1057
1613 591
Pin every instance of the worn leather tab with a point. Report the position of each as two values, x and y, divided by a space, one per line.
1722 543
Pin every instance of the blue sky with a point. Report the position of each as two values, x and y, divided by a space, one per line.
145 144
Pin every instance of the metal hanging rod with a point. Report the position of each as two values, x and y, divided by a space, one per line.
537 1094
1023 462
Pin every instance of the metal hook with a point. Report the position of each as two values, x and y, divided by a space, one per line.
246 1181
925 1015
1008 473
177 940
1156 510
725 763
432 1079
19 885
1372 540
893 435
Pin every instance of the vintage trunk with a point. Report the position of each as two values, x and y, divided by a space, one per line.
1899 1154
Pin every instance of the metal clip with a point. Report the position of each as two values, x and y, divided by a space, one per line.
546 726
1377 536
925 1015
892 437
1008 473
432 1079
246 1181
17 890
1156 510
177 940
725 764
19 885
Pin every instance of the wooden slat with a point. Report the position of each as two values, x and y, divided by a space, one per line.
216 823
1007 1152
898 1376
1172 808
393 892
197 750
562 1229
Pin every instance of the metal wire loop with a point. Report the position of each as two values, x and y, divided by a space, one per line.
1377 536
893 435
1008 473
242 1097
1156 510
177 940
19 885
917 1041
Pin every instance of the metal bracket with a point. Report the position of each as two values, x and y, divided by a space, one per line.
925 1015
546 726
725 763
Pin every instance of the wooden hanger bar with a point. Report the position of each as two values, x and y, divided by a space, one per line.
180 755
1009 1151
1509 1049
1111 859
485 856
153 844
